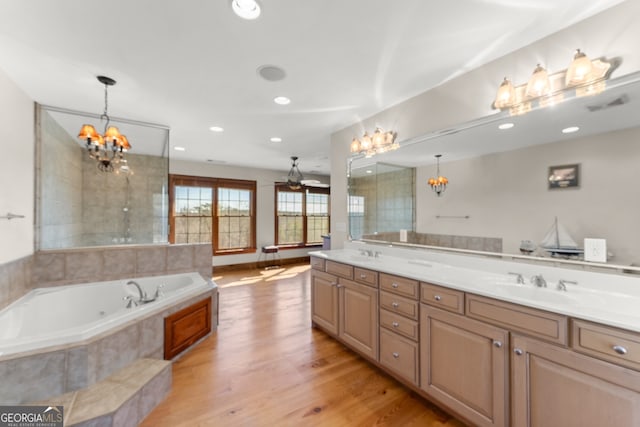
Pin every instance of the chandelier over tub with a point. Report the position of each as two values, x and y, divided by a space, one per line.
438 184
109 148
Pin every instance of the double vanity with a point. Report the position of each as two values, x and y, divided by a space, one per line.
496 342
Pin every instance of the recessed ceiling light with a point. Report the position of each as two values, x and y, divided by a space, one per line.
275 139
571 129
179 148
246 9
216 129
281 100
505 126
369 171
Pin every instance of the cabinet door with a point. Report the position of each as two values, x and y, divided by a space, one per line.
463 364
324 301
359 317
554 386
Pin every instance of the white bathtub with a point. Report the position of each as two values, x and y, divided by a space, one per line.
47 317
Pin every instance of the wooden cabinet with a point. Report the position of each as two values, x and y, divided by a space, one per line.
358 325
346 308
399 355
464 365
324 301
554 386
183 328
604 342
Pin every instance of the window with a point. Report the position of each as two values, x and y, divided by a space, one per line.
302 216
220 211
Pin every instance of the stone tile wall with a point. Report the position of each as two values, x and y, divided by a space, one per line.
72 266
475 243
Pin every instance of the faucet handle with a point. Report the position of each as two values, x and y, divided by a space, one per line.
519 279
159 292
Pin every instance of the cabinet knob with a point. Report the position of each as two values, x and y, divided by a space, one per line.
395 355
518 352
363 276
394 285
497 344
334 284
395 305
395 324
437 297
619 349
339 286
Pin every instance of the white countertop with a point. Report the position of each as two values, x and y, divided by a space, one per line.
599 297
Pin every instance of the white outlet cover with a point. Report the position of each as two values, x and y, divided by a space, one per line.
595 250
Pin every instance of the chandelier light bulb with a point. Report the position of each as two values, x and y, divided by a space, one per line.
579 71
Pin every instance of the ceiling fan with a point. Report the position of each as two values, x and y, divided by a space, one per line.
295 179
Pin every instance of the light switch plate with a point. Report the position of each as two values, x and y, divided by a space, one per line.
595 250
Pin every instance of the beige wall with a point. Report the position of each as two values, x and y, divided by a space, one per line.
506 194
16 170
265 221
613 33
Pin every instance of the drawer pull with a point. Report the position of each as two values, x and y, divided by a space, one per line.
518 352
395 355
363 276
620 349
395 324
339 286
394 285
334 284
437 297
497 344
395 305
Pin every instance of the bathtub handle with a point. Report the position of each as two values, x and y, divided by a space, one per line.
159 292
130 301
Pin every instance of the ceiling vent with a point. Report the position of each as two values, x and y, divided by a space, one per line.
271 73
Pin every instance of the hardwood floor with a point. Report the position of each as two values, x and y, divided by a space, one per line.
266 366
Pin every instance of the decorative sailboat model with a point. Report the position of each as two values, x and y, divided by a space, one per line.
559 243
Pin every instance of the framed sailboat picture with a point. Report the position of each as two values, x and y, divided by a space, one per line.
564 176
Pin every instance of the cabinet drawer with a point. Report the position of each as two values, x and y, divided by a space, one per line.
366 277
339 269
400 355
317 263
547 326
607 343
447 299
399 285
398 304
399 324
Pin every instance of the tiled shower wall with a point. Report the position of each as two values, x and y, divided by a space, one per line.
81 206
71 266
388 200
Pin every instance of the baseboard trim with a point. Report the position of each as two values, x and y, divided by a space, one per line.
262 264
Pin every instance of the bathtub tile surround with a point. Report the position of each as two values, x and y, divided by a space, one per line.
33 378
118 350
488 244
123 399
15 279
150 261
83 265
121 263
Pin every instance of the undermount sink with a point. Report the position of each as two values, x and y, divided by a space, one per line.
533 294
360 258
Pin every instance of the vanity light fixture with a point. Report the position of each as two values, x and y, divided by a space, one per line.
246 9
438 184
586 76
107 149
379 142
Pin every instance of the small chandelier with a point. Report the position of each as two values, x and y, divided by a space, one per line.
438 184
294 177
585 75
379 142
109 148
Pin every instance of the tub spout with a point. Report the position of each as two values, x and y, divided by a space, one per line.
143 295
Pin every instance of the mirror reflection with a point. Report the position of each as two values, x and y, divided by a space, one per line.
499 194
81 205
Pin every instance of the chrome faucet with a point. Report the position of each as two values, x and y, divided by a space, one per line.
143 295
367 252
538 281
562 284
519 279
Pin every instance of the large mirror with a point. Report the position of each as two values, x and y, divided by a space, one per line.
79 205
499 192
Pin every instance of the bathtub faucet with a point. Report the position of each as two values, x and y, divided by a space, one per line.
143 295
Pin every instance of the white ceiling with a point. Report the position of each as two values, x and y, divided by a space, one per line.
192 64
